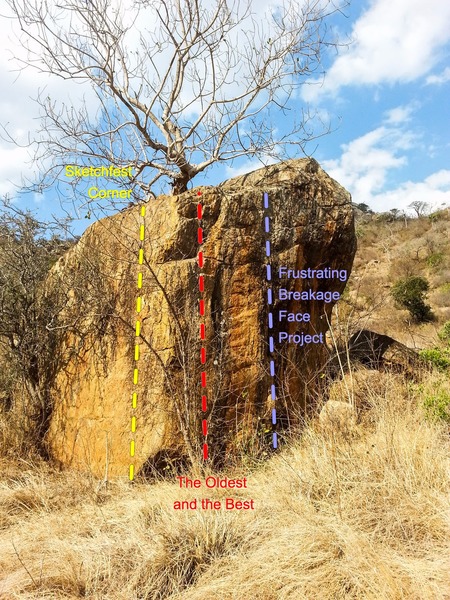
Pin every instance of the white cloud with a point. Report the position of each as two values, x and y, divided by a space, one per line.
439 79
393 42
400 114
19 113
13 163
366 161
434 189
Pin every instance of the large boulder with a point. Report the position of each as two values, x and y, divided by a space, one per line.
312 227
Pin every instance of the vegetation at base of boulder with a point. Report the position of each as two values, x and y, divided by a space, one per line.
436 403
444 333
33 321
410 293
333 518
28 248
437 357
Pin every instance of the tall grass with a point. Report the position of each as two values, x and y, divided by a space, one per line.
336 516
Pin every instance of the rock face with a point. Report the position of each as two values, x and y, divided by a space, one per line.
312 227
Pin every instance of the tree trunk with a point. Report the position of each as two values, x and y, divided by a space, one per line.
180 184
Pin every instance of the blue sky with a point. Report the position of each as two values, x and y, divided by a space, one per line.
386 96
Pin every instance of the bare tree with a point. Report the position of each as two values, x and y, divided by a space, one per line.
420 207
181 84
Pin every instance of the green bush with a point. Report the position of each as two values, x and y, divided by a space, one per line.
437 215
437 405
435 259
438 358
444 333
410 293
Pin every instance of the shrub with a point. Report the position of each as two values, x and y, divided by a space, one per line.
444 334
435 259
438 358
437 406
410 293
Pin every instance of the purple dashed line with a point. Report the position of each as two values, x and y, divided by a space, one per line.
270 317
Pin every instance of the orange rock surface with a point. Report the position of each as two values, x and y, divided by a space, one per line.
312 226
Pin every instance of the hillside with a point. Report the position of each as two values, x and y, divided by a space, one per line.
390 249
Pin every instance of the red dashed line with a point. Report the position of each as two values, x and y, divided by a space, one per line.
201 307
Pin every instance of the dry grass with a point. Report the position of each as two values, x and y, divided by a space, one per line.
336 516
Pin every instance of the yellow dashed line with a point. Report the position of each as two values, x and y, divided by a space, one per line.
137 350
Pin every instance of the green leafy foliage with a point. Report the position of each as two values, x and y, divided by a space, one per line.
444 333
435 259
438 358
410 293
437 405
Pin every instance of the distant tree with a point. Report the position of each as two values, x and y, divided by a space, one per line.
181 84
419 207
395 212
410 293
365 208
